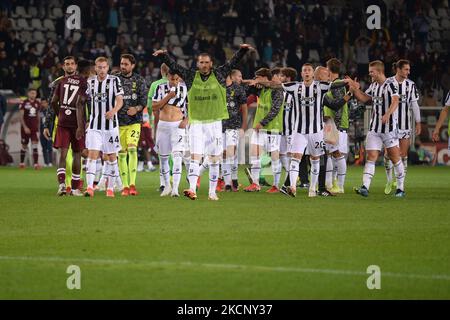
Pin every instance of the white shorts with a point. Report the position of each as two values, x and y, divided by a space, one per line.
341 146
106 141
375 141
230 138
404 134
169 137
206 138
313 142
284 143
270 142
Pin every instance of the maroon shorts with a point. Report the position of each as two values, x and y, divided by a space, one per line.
25 138
145 140
66 137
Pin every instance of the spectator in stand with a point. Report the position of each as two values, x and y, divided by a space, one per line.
22 74
362 46
113 25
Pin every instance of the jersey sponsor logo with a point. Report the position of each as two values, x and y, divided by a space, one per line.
377 100
101 97
130 97
205 98
308 100
231 104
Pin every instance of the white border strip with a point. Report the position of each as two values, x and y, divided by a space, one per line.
236 267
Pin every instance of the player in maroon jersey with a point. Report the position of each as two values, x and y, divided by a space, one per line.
69 95
29 119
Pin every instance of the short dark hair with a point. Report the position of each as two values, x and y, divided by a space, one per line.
400 64
289 73
334 65
129 57
204 54
264 72
275 71
171 72
307 64
70 58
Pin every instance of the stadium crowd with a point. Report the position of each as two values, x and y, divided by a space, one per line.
284 32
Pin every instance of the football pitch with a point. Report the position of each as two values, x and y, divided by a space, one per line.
245 246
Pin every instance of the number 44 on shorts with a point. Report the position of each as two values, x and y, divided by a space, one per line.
115 140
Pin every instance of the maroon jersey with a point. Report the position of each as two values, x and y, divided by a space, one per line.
69 89
31 112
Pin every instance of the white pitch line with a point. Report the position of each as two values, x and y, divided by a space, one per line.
224 266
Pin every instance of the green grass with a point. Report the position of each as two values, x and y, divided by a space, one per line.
246 246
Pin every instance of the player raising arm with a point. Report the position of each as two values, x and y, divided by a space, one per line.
207 108
383 94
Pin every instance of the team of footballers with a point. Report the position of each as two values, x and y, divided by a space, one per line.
201 114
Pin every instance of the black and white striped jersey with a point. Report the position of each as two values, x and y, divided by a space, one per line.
308 101
102 96
180 98
290 114
447 100
407 93
381 95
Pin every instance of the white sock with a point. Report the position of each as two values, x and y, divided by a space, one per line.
369 171
176 170
213 176
162 182
203 167
117 178
315 168
405 164
341 171
111 173
399 174
388 168
98 169
194 170
335 168
284 162
226 171
234 168
329 173
186 161
276 170
165 169
104 173
149 164
90 172
256 169
294 169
